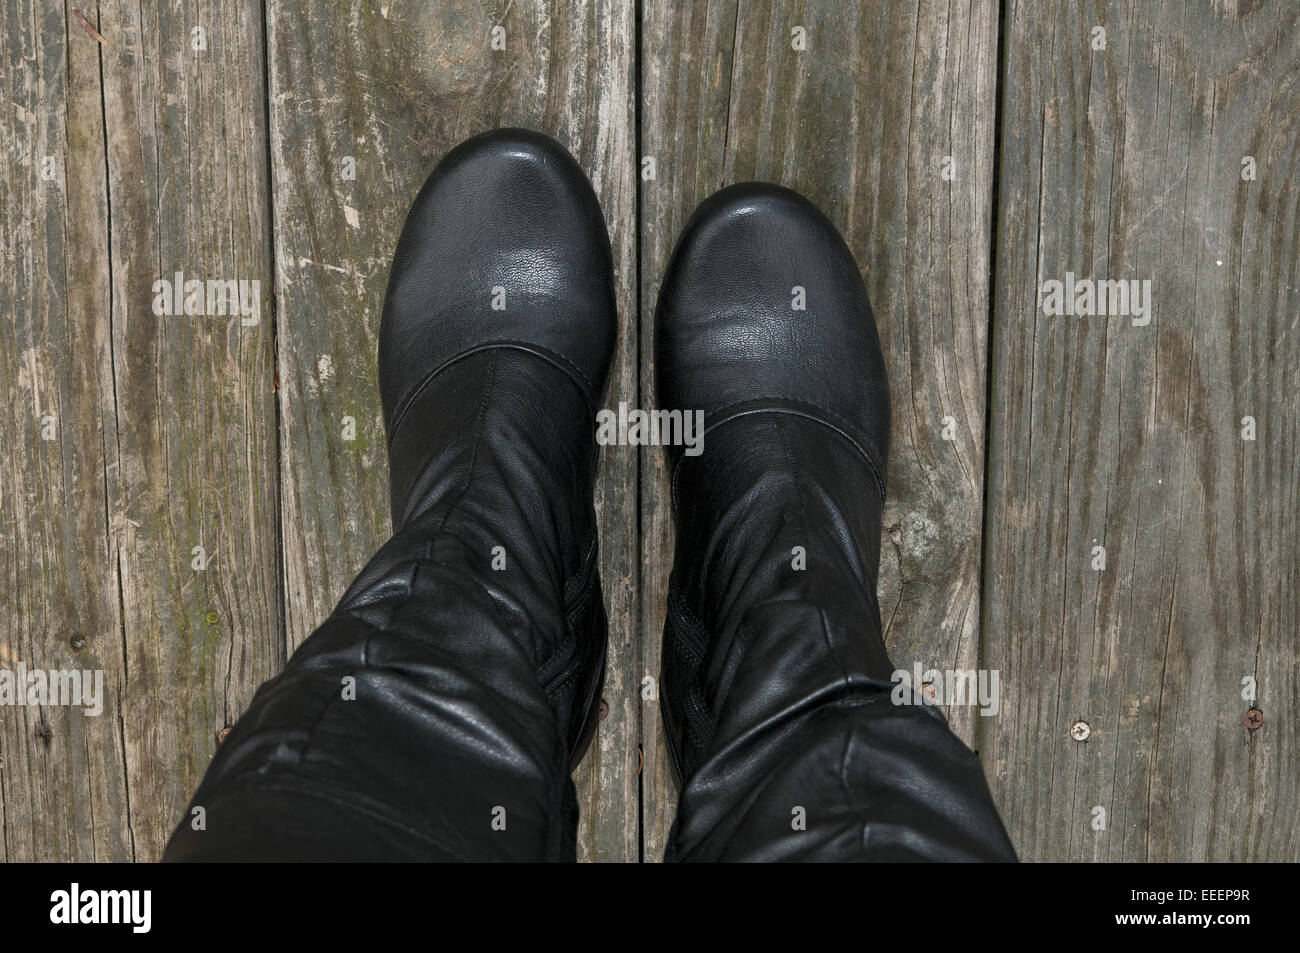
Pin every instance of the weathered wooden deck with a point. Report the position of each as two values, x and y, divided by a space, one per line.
969 152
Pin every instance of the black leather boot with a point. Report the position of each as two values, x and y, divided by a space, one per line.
437 713
776 683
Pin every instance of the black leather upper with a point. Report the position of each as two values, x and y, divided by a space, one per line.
474 640
777 688
509 209
729 341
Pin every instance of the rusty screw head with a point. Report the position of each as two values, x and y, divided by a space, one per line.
1080 731
928 691
221 735
1254 719
77 642
604 709
211 617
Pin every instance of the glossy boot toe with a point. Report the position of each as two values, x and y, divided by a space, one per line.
504 248
763 310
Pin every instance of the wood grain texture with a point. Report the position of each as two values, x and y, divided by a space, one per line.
396 86
167 422
1125 163
193 394
63 774
860 122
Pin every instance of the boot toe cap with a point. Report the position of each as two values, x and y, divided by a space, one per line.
505 245
763 304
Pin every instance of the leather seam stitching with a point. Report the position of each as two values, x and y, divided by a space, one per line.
875 472
556 358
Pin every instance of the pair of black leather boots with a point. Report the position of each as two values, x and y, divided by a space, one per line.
437 713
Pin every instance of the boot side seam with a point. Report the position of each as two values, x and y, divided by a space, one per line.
687 635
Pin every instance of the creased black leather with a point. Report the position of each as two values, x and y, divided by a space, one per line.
776 683
476 687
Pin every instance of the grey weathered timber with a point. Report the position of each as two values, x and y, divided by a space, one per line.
193 394
166 423
62 774
394 87
864 121
1127 163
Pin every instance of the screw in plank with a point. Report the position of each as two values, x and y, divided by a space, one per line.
77 642
1254 719
1080 731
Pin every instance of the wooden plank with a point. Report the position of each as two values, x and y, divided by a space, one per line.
62 772
166 423
395 86
1126 163
861 122
194 411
